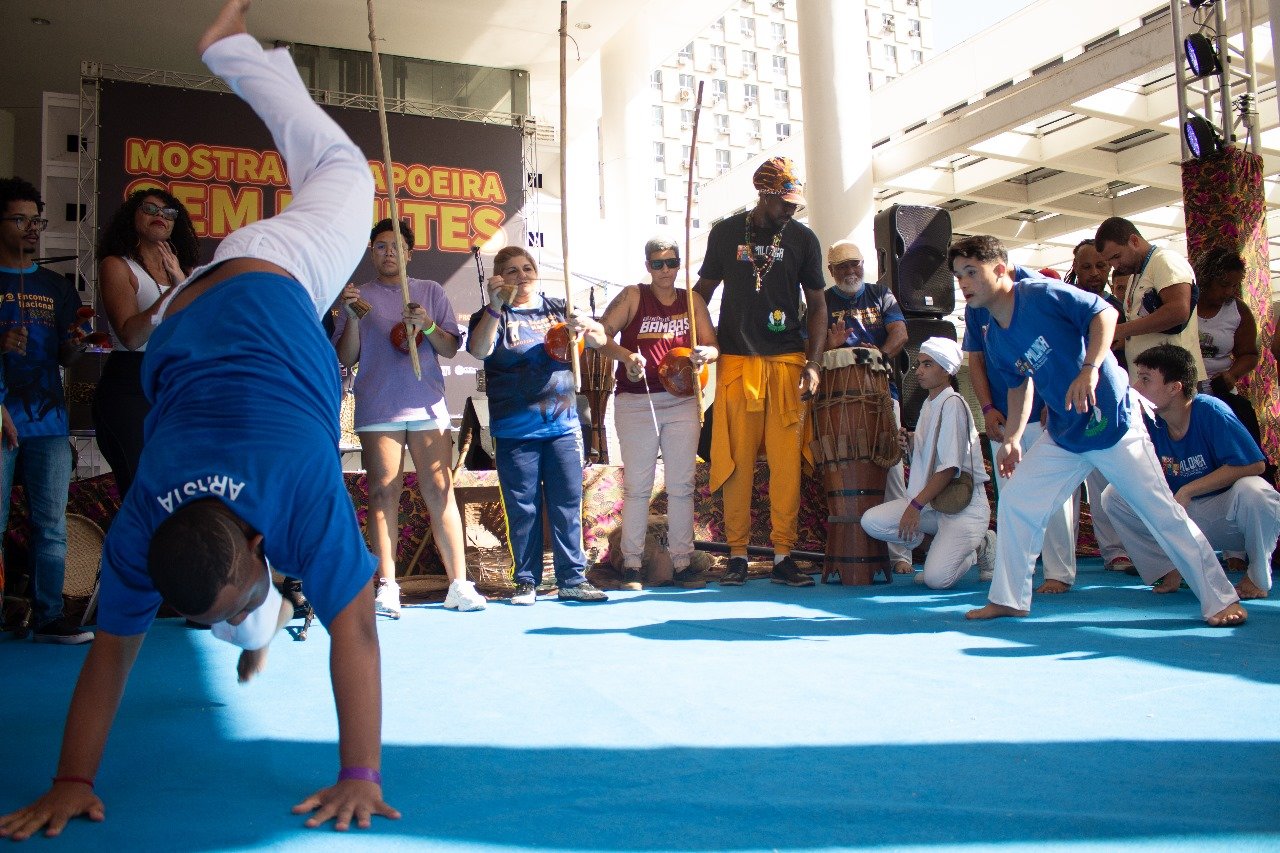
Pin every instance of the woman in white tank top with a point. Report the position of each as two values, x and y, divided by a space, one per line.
1228 330
149 246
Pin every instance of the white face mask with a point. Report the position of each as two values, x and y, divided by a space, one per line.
256 631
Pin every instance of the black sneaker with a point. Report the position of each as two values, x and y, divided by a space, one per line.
582 592
631 579
526 594
787 573
63 633
736 574
688 578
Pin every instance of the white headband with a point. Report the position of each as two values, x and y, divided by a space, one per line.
946 353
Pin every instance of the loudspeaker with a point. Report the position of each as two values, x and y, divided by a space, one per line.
919 330
911 248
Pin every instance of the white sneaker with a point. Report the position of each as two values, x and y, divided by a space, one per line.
987 557
464 596
387 601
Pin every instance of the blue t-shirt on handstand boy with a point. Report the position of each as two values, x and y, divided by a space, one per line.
1056 340
241 463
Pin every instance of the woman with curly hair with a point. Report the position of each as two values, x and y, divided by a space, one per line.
148 247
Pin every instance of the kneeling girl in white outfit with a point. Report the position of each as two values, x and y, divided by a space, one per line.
944 447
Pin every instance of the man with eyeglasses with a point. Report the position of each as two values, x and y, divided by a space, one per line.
38 334
868 315
770 349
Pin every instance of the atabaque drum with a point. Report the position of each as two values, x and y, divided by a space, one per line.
855 444
597 386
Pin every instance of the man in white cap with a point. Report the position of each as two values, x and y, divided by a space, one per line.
943 449
767 367
1056 339
867 315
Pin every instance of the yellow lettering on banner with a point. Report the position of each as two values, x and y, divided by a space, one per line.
175 160
141 157
229 211
283 197
193 197
486 221
455 228
272 169
492 189
420 215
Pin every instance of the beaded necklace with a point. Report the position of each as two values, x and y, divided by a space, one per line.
762 268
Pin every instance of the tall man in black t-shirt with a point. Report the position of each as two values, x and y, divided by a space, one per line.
764 259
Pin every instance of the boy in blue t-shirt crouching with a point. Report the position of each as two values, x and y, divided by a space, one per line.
1211 464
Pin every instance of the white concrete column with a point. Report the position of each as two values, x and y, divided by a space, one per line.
838 125
626 149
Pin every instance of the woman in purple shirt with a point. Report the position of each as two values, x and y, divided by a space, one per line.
395 410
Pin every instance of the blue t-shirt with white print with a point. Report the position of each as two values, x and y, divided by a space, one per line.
245 393
1046 342
45 304
531 394
1215 437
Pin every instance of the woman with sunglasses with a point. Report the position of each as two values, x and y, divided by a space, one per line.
148 247
534 422
654 319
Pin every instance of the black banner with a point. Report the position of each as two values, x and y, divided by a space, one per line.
458 182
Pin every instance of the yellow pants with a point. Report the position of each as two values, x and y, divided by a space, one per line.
758 404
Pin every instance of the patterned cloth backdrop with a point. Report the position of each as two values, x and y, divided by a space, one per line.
1225 205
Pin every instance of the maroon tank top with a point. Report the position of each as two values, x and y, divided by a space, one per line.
653 332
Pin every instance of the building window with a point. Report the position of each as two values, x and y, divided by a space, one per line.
696 222
891 52
748 62
722 122
748 27
657 116
655 79
660 187
660 219
753 128
685 151
686 82
913 27
660 152
782 129
686 118
719 89
717 55
686 52
886 23
782 99
779 31
780 65
917 57
750 94
719 24
722 161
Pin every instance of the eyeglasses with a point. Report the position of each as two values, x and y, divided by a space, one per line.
153 209
669 263
25 222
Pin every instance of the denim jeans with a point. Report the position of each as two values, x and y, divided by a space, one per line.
46 474
536 474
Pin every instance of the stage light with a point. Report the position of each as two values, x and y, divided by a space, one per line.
1196 4
1202 138
1202 57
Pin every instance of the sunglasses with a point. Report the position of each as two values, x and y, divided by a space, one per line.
669 263
153 209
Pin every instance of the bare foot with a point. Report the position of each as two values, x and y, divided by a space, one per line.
1053 587
229 22
1171 582
252 662
1228 617
901 568
1248 590
994 611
